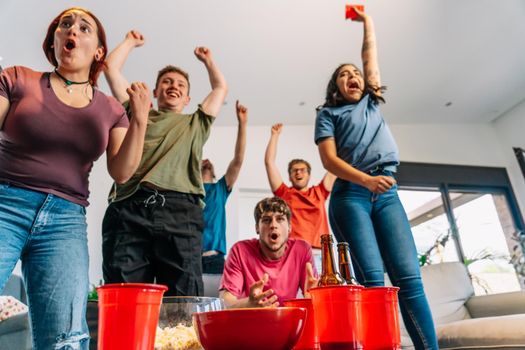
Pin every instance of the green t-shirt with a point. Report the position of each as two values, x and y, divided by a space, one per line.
172 154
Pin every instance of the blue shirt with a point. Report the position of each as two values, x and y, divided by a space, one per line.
214 234
361 135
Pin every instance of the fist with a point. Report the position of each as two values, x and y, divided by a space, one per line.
242 112
135 37
202 53
277 128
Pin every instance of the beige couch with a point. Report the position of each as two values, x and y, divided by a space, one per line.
465 321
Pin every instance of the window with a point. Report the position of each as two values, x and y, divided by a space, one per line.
483 226
464 214
430 227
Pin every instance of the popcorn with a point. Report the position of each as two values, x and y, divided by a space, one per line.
180 337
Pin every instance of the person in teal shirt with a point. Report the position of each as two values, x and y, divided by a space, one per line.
217 193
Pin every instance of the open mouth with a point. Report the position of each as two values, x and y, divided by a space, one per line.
274 236
172 93
353 85
70 45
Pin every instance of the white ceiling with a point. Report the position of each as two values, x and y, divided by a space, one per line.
277 55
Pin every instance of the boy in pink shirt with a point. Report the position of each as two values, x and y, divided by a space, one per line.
265 271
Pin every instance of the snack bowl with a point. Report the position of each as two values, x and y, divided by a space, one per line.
250 328
175 327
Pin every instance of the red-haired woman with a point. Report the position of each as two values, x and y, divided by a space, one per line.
53 126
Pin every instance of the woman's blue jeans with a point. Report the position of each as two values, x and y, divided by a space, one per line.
378 231
49 235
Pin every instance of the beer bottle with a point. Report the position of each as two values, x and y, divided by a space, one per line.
345 264
329 275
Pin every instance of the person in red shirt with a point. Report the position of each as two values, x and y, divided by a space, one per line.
265 271
309 220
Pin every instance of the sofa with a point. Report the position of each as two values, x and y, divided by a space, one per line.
466 321
463 320
15 332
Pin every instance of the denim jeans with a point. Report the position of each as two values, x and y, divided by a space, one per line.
49 235
378 231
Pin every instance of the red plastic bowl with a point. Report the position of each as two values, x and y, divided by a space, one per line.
253 329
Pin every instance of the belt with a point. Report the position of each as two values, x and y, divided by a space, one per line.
210 253
384 167
154 196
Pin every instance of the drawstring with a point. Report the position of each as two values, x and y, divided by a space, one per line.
151 200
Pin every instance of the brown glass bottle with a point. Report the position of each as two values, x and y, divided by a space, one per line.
329 275
345 264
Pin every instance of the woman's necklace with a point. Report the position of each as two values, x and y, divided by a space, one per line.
69 83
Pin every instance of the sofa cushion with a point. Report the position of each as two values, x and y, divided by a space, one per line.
19 322
509 303
15 288
448 287
501 332
211 284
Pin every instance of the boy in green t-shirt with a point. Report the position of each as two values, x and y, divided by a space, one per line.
153 226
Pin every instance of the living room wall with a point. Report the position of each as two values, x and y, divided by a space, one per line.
467 144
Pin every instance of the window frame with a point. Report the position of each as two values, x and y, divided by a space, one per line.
520 156
447 178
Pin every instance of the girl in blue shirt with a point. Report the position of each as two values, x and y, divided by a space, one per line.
357 146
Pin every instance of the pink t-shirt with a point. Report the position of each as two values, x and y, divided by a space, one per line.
309 220
246 265
48 146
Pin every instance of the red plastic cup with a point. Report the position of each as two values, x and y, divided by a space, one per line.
380 318
309 339
128 314
337 311
350 11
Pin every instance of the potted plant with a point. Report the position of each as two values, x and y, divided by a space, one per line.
92 316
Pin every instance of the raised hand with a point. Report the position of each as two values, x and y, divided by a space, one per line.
277 128
135 37
139 101
262 299
242 113
203 54
379 184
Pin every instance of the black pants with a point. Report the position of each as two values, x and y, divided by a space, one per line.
213 264
155 237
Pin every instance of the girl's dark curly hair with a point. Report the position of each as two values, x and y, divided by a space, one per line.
333 95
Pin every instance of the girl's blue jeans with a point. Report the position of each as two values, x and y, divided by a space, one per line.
379 234
49 235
